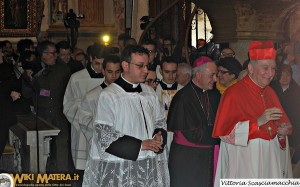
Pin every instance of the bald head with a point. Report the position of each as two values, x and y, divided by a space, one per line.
227 52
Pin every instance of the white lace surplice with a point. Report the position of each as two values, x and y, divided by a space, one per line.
120 113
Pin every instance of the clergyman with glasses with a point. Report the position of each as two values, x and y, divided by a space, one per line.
130 130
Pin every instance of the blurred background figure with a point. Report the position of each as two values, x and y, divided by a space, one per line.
82 58
288 92
184 73
64 52
8 94
151 79
227 52
228 71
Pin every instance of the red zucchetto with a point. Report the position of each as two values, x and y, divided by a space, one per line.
262 50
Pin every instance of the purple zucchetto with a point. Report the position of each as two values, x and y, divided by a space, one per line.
201 60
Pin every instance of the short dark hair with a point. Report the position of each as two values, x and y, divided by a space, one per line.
169 60
97 51
284 68
149 42
23 44
43 46
26 55
115 59
89 49
3 43
131 49
130 41
62 45
123 37
82 53
111 51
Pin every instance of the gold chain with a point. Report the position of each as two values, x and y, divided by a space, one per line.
208 104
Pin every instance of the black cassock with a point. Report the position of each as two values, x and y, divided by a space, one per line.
192 113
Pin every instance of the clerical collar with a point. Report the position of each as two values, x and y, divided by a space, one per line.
166 86
255 82
127 86
197 87
92 72
253 85
285 88
43 65
103 85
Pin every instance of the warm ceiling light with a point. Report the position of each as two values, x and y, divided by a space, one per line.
106 39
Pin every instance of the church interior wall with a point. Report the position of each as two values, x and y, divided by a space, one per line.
235 22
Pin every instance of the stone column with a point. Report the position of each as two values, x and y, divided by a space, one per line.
241 49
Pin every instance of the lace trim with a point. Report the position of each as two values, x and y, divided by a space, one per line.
104 136
149 172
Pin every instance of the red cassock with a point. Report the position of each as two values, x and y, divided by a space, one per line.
246 101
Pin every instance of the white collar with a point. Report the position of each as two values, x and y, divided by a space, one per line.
168 85
133 85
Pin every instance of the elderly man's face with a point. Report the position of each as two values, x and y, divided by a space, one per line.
207 77
262 72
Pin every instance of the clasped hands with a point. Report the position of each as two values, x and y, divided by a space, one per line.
153 144
274 114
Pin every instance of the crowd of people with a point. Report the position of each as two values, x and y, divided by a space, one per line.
137 115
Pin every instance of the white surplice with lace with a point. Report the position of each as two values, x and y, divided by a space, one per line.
122 113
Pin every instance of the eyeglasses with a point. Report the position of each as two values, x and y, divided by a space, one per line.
223 72
156 81
141 66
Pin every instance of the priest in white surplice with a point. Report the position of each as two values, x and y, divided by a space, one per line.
252 124
79 84
129 136
87 109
